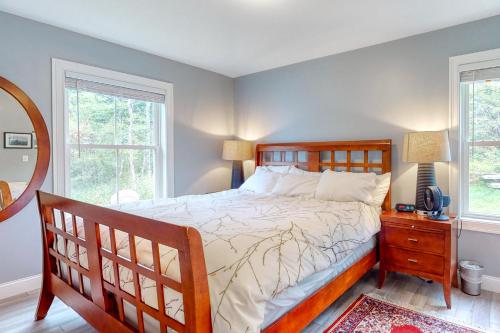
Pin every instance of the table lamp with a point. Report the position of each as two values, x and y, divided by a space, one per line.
425 148
237 151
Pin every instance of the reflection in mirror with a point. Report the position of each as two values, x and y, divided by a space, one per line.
18 152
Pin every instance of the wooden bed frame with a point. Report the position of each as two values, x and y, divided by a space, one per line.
103 305
5 195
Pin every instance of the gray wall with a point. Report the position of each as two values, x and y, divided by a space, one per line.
13 118
376 92
203 103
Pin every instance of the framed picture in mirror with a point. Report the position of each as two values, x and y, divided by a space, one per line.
13 140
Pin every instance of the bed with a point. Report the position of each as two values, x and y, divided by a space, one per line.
167 255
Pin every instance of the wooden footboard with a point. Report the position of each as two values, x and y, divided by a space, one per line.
102 303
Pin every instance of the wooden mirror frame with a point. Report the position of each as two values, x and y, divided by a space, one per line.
43 153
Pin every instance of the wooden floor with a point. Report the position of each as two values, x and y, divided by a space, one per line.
16 314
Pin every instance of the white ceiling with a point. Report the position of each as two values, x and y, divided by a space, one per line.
238 37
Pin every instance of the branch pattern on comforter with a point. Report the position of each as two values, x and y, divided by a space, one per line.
255 247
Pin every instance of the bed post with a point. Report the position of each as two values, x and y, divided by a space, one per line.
46 295
386 167
195 287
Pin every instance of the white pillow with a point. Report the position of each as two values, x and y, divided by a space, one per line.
261 182
296 171
383 182
293 185
346 186
282 169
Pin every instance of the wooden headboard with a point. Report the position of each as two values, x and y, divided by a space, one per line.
353 156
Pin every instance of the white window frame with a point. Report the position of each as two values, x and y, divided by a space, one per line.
165 160
458 170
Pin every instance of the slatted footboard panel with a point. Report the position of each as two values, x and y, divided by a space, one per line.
123 272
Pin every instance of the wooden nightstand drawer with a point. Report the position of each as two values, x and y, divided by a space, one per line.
426 241
416 261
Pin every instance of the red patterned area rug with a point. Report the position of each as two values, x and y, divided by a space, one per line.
368 314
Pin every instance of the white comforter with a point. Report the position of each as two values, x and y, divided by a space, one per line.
255 247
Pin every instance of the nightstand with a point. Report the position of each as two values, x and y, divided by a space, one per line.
412 244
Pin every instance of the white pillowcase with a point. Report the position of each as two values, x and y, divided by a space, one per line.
293 185
261 182
346 186
281 169
378 195
296 171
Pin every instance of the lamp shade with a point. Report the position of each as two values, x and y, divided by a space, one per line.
236 150
426 147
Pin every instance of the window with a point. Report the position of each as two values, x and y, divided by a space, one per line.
113 144
477 117
480 105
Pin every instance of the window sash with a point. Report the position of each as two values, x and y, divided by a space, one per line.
124 93
117 148
466 142
464 181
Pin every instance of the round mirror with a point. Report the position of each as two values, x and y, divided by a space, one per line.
24 149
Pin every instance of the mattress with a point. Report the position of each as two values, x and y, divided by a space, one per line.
292 296
260 250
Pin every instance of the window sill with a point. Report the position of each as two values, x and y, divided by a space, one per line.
479 225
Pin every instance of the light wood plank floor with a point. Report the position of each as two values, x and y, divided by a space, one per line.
16 314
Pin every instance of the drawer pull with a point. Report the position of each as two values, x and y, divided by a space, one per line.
413 261
413 227
413 240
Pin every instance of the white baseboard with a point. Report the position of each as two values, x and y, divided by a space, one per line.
491 283
30 283
17 287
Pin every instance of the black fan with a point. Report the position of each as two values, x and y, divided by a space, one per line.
435 201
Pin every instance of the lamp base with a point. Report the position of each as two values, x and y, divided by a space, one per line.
237 175
426 176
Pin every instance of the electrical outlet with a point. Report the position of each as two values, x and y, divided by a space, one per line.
26 158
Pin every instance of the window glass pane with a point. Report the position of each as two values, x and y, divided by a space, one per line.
136 172
91 116
135 122
484 180
484 110
92 175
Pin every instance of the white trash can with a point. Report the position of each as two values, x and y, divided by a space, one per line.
471 275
